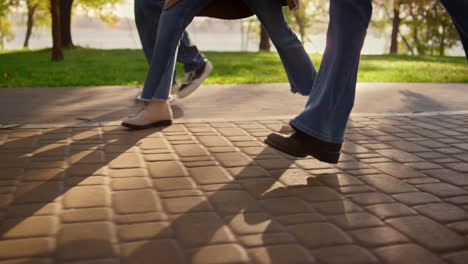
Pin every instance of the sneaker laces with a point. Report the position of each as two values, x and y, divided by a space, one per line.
188 77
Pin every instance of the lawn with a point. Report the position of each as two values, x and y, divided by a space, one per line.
89 67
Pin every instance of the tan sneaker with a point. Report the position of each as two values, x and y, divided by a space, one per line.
153 114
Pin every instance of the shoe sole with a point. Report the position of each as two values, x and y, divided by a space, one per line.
328 157
152 125
190 89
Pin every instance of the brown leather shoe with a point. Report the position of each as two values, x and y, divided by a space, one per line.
301 145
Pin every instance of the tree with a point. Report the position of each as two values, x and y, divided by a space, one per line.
264 39
37 15
57 54
101 8
5 25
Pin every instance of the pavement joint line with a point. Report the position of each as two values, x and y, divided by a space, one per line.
219 120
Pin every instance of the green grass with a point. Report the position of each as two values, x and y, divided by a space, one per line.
89 67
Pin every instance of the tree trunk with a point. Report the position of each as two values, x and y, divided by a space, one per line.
395 27
29 25
65 19
264 39
57 54
301 26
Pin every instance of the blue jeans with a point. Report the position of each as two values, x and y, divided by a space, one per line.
332 98
299 68
147 16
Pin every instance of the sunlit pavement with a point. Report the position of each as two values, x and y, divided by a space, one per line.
214 193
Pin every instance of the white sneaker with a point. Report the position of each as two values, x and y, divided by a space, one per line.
193 79
153 114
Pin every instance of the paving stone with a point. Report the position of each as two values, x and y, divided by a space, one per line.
125 161
310 164
130 183
417 181
85 240
286 205
449 176
315 235
398 155
248 172
36 192
370 198
337 207
378 236
267 239
95 261
85 170
86 215
93 156
291 177
146 252
256 151
180 193
153 143
33 209
47 164
233 159
274 164
415 198
86 196
458 200
428 233
214 141
140 218
316 194
442 212
86 181
263 188
172 184
160 157
253 223
200 229
339 180
142 231
281 254
251 143
457 257
355 189
442 189
398 170
11 173
190 150
299 218
350 147
390 210
184 205
42 175
460 227
220 254
30 247
345 255
407 254
423 165
29 227
210 175
28 260
166 169
137 201
232 202
5 200
355 220
361 172
388 184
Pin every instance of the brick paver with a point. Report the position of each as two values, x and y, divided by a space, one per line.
214 193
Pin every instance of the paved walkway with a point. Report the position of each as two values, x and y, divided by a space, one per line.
204 191
216 102
214 193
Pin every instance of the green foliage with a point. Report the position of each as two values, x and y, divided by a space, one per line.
104 9
88 67
6 33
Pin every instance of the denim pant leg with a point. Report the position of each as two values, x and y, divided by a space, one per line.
458 12
332 97
299 68
147 15
189 54
172 24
